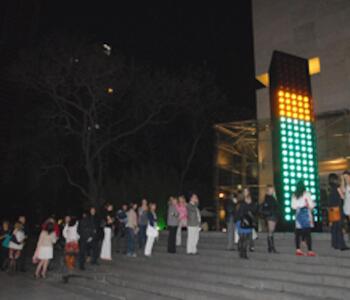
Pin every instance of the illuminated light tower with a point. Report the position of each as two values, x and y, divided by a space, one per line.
293 133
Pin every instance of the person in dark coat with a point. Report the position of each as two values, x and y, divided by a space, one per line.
335 200
94 245
85 231
269 211
245 222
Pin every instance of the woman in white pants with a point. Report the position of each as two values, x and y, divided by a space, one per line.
106 249
193 225
152 231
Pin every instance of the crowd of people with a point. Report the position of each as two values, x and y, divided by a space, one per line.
132 228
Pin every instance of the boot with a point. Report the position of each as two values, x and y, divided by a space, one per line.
273 245
269 244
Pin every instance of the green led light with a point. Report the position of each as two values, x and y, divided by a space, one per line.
291 160
287 210
311 163
286 188
283 119
289 120
284 146
286 173
293 181
287 217
283 125
285 159
286 166
302 129
290 140
303 142
308 130
286 195
286 180
283 132
291 153
299 175
298 161
284 139
292 174
287 202
290 147
290 133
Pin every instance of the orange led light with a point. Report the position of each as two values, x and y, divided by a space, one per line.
288 101
294 96
301 110
282 106
294 109
307 118
280 93
289 114
301 116
307 111
300 104
306 105
306 99
300 97
281 100
288 107
287 95
295 115
282 113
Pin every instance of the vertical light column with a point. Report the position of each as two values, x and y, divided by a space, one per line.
293 131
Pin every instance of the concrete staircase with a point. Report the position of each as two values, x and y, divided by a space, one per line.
219 274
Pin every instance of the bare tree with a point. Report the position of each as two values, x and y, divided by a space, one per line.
92 101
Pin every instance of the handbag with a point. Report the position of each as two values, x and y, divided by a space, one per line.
152 231
334 214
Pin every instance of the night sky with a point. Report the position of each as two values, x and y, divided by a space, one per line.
168 34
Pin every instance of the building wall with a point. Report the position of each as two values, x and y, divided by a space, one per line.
306 28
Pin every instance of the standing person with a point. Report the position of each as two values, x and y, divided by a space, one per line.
106 249
131 230
16 245
143 221
303 204
181 208
121 233
336 202
245 222
193 225
71 249
22 261
253 208
172 221
93 246
85 231
230 221
269 211
5 237
345 188
44 249
152 230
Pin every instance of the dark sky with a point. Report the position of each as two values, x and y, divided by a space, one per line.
170 34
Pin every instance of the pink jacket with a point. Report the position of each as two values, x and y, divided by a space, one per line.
182 210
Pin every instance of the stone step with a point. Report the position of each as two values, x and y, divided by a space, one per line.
282 257
230 269
211 287
285 247
268 263
311 287
93 284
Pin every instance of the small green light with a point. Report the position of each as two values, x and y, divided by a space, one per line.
290 133
286 188
286 180
290 147
287 196
292 167
308 130
293 181
287 217
312 176
298 161
285 166
296 128
283 132
285 159
283 119
286 173
290 140
302 129
292 160
297 148
299 175
292 174
303 142
291 153
287 210
312 183
284 139
295 121
284 152
311 163
284 146
289 120
283 125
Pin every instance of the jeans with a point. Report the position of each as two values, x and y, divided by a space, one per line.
142 236
130 232
337 235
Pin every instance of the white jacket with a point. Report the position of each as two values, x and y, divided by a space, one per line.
20 236
70 233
